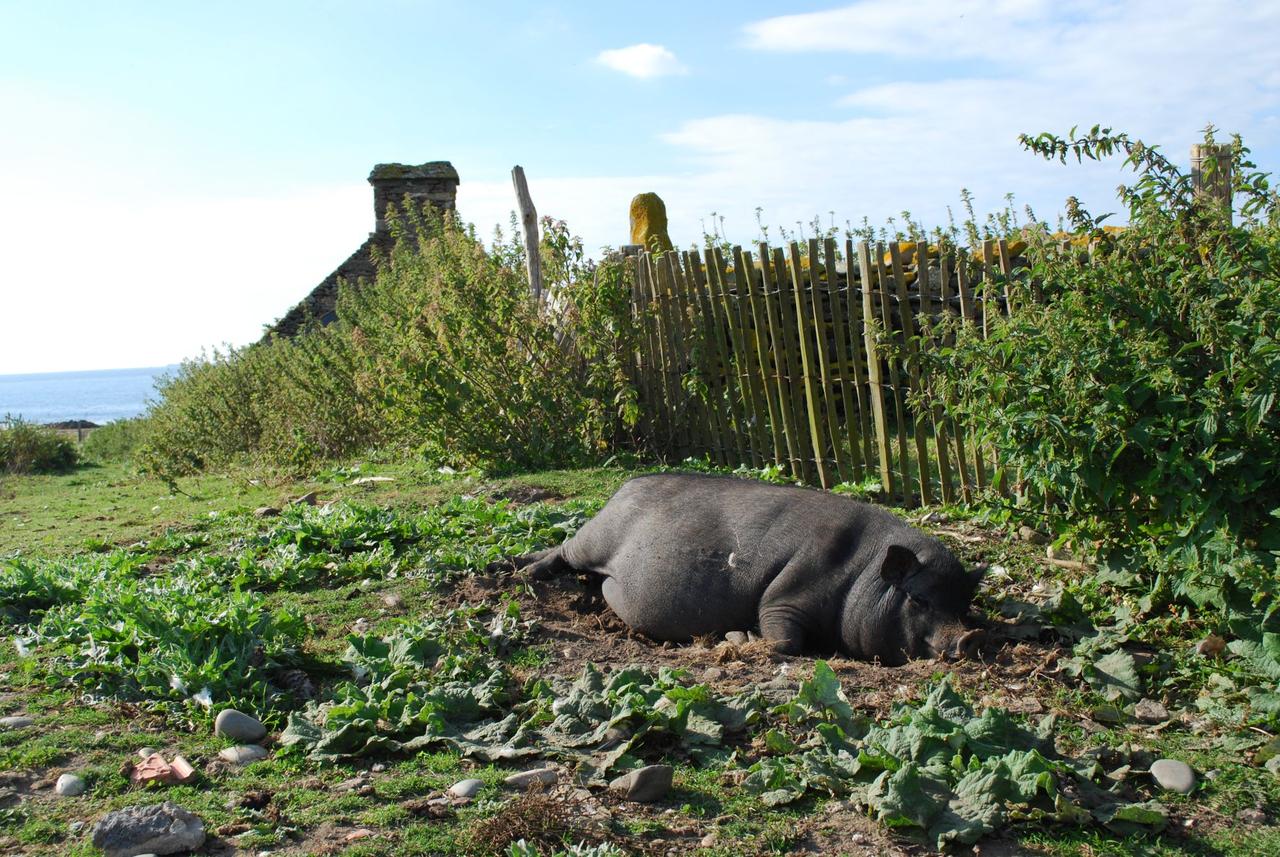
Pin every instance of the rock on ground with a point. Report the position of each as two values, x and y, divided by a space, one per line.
644 785
239 726
243 754
1150 711
70 785
1174 775
16 722
524 779
162 828
465 788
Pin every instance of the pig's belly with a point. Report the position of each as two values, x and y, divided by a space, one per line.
680 603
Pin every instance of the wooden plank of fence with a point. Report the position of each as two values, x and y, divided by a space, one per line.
677 355
642 351
668 354
749 293
813 404
744 351
787 391
856 347
711 360
795 369
875 386
723 328
939 417
968 312
989 297
946 264
732 402
848 381
895 380
921 430
697 416
662 401
817 324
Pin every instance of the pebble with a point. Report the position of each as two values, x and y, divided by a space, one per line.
377 767
75 827
1150 711
243 754
524 779
266 512
644 785
16 722
1032 535
393 601
1174 775
709 841
465 788
70 785
239 726
1060 552
147 752
712 674
1252 816
162 828
738 638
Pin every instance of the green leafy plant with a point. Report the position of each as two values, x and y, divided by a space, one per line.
1135 401
28 448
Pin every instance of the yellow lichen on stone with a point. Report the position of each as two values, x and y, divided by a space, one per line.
649 222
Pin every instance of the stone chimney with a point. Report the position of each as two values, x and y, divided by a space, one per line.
435 182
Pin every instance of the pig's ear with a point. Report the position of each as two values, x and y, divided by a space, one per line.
898 564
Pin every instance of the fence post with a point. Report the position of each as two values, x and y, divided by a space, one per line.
1211 175
529 222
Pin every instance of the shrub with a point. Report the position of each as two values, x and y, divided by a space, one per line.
28 448
1136 403
444 353
116 441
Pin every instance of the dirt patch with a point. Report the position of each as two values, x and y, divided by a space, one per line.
521 495
574 620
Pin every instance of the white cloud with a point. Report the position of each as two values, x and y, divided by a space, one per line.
938 28
643 61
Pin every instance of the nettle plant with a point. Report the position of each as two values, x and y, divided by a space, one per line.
1135 401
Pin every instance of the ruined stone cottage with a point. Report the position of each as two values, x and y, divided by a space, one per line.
435 182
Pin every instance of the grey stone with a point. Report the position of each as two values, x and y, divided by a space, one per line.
524 779
239 726
243 754
75 827
1032 535
266 512
16 721
70 785
162 828
147 752
393 601
1150 711
1252 816
644 784
466 788
1174 775
738 638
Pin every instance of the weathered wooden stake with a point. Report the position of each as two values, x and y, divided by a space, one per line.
529 223
1211 174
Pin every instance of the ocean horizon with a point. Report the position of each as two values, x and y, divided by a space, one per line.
97 395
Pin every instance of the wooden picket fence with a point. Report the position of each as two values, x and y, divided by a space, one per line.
807 361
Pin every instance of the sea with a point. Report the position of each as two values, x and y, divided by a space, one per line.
98 396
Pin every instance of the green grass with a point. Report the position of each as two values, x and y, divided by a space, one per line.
401 537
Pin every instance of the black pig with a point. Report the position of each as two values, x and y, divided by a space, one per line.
685 555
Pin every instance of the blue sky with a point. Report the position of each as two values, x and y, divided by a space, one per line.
174 176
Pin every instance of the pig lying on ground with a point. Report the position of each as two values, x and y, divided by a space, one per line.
685 555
